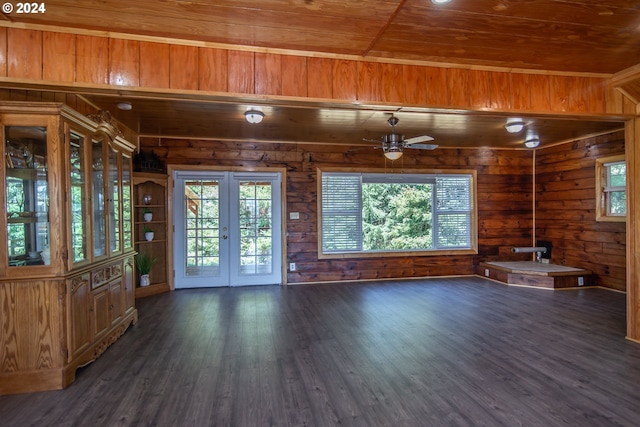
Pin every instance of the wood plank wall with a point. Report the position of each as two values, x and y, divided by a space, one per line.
566 209
505 188
85 61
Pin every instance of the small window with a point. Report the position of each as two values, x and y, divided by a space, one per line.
378 213
611 189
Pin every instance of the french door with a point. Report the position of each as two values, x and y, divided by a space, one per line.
227 229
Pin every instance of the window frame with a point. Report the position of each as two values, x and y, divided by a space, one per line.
473 220
603 189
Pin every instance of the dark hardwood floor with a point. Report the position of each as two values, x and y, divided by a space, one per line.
437 352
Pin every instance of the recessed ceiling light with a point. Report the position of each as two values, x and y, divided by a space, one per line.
126 106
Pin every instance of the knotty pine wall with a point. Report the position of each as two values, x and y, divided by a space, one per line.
566 209
505 188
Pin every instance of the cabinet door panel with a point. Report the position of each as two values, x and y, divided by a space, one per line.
101 318
116 301
79 323
129 287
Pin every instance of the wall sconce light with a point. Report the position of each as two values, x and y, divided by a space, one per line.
253 116
514 125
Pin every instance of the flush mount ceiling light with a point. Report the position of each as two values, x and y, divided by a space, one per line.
532 143
126 106
514 125
440 1
253 115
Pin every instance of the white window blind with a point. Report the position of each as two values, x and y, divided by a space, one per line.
342 209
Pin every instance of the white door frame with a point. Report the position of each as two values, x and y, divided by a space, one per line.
202 168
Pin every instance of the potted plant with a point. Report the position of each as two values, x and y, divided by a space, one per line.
144 262
148 234
147 215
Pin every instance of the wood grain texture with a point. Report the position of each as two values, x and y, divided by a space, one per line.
369 81
320 77
345 77
565 209
59 57
294 76
183 66
3 52
124 62
240 73
154 65
415 84
92 60
213 73
460 351
632 153
24 54
268 74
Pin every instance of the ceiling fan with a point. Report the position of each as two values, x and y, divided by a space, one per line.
393 143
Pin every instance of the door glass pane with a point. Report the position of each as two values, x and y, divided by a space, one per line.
202 231
77 199
97 182
114 202
27 195
127 231
256 231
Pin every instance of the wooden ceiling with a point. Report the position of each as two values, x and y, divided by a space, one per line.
596 36
585 36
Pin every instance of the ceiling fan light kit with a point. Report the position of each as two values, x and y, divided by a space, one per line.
532 143
254 116
394 143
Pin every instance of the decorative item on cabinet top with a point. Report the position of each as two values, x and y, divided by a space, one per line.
144 161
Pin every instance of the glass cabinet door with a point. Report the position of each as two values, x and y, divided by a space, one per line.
78 198
27 196
98 199
127 220
113 201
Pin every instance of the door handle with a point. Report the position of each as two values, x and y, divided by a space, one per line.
224 236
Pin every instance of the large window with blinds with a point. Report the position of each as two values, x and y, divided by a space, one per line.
379 213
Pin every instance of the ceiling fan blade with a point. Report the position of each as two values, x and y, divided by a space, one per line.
418 139
371 140
423 146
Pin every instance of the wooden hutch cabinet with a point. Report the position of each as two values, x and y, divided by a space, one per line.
66 243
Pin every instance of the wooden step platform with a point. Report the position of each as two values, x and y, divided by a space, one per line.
536 274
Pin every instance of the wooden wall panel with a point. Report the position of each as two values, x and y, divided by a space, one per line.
154 65
124 62
437 90
24 54
479 89
294 76
565 209
392 83
415 84
504 196
539 92
500 91
92 60
268 74
560 93
3 52
214 68
345 80
59 57
369 81
458 88
520 91
320 78
183 66
240 73
596 95
578 94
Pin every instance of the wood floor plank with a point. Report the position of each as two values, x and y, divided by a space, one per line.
433 352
